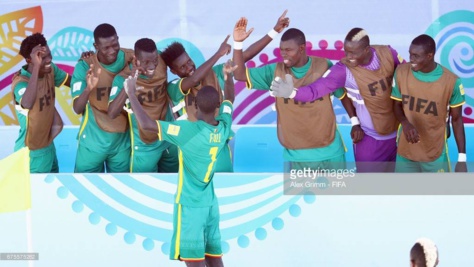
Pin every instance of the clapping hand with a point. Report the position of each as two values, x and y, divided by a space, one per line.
92 78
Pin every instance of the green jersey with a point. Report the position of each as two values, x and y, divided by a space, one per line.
199 146
90 134
153 97
261 78
176 94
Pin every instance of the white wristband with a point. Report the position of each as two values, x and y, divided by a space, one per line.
272 33
238 45
293 94
355 121
462 157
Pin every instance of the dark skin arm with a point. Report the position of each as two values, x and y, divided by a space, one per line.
356 132
145 122
229 92
241 33
36 57
411 134
200 73
459 135
92 79
68 81
116 106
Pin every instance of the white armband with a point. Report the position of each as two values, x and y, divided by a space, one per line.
355 121
462 157
272 33
238 45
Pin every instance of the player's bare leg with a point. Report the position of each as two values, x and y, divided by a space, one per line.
214 262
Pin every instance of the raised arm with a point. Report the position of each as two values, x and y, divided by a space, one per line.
116 105
92 79
145 122
202 71
36 57
241 33
229 92
255 48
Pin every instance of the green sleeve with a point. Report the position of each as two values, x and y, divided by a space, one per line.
59 75
396 95
225 113
219 71
457 97
117 87
78 80
261 78
19 90
174 90
177 132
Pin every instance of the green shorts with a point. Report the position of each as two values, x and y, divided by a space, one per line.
44 160
88 161
143 160
224 160
440 164
196 233
169 161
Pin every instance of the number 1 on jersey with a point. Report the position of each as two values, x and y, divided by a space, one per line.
213 153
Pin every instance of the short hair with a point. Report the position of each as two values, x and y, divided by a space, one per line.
424 253
172 52
358 35
145 45
104 30
426 41
294 34
207 99
30 42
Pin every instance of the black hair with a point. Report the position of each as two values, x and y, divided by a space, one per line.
145 45
426 41
30 42
207 99
104 30
294 34
172 52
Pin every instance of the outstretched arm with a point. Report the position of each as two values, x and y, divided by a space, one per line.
145 122
201 72
333 79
